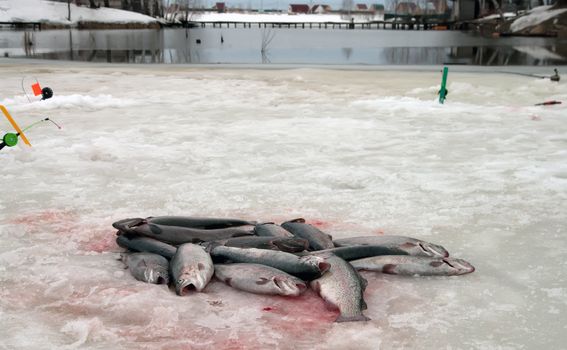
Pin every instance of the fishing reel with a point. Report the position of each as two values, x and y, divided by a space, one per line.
9 139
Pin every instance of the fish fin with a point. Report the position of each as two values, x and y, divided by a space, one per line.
299 220
316 286
389 269
262 281
209 246
155 229
360 317
436 263
330 306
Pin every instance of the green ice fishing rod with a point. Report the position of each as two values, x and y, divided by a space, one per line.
443 91
11 139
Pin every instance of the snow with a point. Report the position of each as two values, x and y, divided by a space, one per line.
282 18
56 13
357 152
534 17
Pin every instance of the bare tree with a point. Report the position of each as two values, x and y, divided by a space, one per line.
92 4
347 6
106 3
69 10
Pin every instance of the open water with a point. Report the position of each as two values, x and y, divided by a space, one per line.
282 46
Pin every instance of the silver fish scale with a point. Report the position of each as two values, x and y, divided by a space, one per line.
342 287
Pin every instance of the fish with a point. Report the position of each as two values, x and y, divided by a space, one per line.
125 225
147 267
357 251
145 244
412 246
272 230
175 234
284 244
343 288
305 267
203 223
318 240
259 279
191 268
414 265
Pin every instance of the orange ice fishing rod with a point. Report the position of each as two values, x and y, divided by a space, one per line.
15 125
11 139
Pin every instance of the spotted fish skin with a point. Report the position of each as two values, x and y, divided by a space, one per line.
411 246
203 223
259 279
318 239
305 267
414 265
176 235
269 229
343 288
191 268
147 267
284 244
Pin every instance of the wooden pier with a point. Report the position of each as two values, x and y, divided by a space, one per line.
330 25
21 25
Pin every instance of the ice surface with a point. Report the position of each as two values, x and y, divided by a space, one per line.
354 152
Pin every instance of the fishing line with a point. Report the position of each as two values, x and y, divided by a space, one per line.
11 139
39 122
24 89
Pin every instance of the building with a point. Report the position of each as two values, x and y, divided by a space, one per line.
298 8
220 7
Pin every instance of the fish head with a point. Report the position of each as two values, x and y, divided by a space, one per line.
432 250
318 262
288 286
452 266
192 278
156 276
126 225
291 244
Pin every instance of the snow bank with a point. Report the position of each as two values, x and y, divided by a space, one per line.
56 13
534 17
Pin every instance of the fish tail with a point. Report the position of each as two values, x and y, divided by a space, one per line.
356 318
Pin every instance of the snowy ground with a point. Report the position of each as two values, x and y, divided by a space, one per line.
355 152
57 13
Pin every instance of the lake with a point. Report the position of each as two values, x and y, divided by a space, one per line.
282 46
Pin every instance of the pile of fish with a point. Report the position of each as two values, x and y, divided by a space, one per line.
266 258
